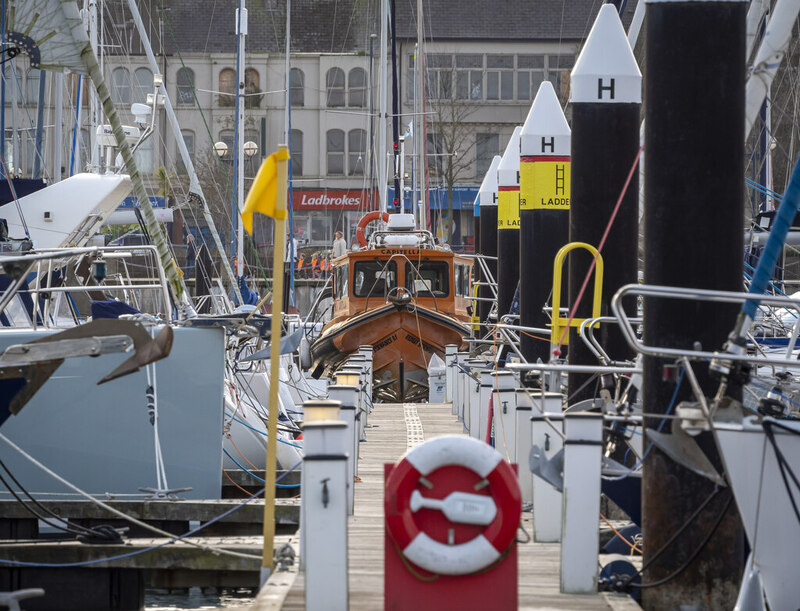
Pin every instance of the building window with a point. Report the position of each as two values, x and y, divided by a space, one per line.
185 83
499 77
356 151
32 87
73 90
533 69
227 86
252 85
435 155
335 150
486 147
120 86
559 68
335 87
226 136
188 139
469 77
439 76
357 88
297 81
297 152
143 84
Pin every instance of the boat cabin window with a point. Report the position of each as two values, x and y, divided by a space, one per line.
340 281
461 279
428 279
373 277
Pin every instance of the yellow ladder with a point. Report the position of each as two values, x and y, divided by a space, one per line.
559 323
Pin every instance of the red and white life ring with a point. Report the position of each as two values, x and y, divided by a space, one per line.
463 558
366 220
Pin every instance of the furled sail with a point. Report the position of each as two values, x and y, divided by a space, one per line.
52 34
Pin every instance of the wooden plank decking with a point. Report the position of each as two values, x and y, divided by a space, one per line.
386 442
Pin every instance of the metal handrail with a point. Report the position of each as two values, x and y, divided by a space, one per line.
707 295
586 333
50 254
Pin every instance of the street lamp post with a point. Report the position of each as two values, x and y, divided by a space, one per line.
250 149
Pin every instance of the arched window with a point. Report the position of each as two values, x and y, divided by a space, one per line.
335 150
227 86
297 81
32 87
297 152
335 86
226 136
357 88
120 86
143 84
252 84
185 83
356 149
188 139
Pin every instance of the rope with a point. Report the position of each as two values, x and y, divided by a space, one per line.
172 539
254 476
112 510
599 250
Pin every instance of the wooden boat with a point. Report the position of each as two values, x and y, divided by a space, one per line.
405 296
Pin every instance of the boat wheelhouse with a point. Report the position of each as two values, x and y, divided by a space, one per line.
405 296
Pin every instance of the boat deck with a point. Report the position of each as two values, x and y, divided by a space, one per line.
388 436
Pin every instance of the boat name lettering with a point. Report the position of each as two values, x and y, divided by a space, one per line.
399 251
415 340
384 343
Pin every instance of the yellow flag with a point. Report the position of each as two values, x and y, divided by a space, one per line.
263 195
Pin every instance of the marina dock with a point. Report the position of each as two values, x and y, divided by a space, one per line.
394 428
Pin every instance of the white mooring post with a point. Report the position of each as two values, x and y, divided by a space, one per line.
367 351
348 397
449 356
324 515
354 376
505 416
523 444
486 390
580 542
547 501
457 384
474 397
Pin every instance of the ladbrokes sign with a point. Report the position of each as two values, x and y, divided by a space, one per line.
330 199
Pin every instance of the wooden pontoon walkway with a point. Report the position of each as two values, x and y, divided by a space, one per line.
388 436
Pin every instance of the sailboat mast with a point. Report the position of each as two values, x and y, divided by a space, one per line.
419 131
58 137
194 183
241 31
287 138
382 112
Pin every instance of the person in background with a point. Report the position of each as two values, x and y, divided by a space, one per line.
191 251
339 245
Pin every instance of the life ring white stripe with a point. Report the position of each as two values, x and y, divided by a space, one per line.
454 450
461 559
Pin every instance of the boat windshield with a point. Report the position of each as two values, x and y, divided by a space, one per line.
429 279
373 277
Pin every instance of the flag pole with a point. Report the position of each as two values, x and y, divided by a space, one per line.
275 355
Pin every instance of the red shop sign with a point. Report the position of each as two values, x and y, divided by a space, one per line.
330 199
